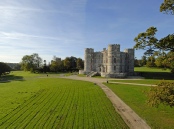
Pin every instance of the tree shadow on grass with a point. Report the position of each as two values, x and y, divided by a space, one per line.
9 78
157 75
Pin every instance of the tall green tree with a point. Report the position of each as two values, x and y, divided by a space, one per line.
37 61
67 63
147 41
167 6
31 62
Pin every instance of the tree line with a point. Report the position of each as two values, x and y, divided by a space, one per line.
34 63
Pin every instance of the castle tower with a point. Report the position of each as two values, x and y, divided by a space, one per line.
88 62
113 58
110 58
130 63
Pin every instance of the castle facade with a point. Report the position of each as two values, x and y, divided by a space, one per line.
110 62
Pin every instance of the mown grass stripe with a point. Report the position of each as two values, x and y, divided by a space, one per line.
29 112
36 109
43 118
70 113
16 114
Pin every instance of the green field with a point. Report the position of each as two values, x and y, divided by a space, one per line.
143 81
149 69
154 73
31 101
135 96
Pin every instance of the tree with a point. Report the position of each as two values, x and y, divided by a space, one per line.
147 41
37 61
56 64
170 59
26 63
161 94
31 62
166 43
150 61
162 60
67 63
167 6
4 68
80 63
73 62
143 60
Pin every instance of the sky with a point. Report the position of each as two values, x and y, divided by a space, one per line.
64 28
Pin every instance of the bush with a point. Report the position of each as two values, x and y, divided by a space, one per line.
162 94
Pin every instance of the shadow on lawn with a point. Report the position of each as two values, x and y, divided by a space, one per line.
9 78
157 75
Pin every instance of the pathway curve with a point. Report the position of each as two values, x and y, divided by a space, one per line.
128 115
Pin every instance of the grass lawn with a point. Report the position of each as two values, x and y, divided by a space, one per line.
143 81
28 101
148 69
135 96
154 73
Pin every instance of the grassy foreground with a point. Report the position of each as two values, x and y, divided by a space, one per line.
33 101
135 96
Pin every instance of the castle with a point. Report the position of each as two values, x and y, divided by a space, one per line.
110 62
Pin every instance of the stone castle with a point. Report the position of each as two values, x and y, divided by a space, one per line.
110 62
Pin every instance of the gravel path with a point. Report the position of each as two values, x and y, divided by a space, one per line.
128 115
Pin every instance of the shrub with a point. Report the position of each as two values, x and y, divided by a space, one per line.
162 94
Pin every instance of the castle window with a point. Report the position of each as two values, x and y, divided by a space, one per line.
114 68
114 60
106 60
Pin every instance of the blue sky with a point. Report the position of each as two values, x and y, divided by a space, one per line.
66 27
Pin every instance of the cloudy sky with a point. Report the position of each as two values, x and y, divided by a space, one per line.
65 27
